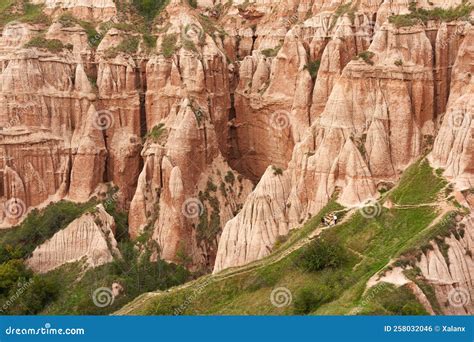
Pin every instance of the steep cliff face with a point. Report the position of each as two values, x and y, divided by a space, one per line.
453 147
227 125
380 115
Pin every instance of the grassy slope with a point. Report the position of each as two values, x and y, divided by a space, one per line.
75 297
372 243
69 289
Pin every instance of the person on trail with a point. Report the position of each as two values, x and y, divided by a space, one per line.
335 219
323 221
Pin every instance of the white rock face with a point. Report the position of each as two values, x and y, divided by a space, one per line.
251 234
89 237
85 9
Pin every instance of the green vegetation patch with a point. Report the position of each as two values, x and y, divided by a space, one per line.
210 27
149 9
321 254
93 37
38 227
386 299
135 273
23 11
192 3
209 225
149 40
168 45
129 46
313 68
419 184
421 15
52 45
414 274
271 52
366 56
344 9
155 133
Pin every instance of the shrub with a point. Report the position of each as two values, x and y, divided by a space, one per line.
271 52
52 45
192 3
149 8
310 298
155 132
10 273
277 171
168 45
67 20
322 254
40 293
398 62
306 300
229 177
149 40
313 68
367 56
